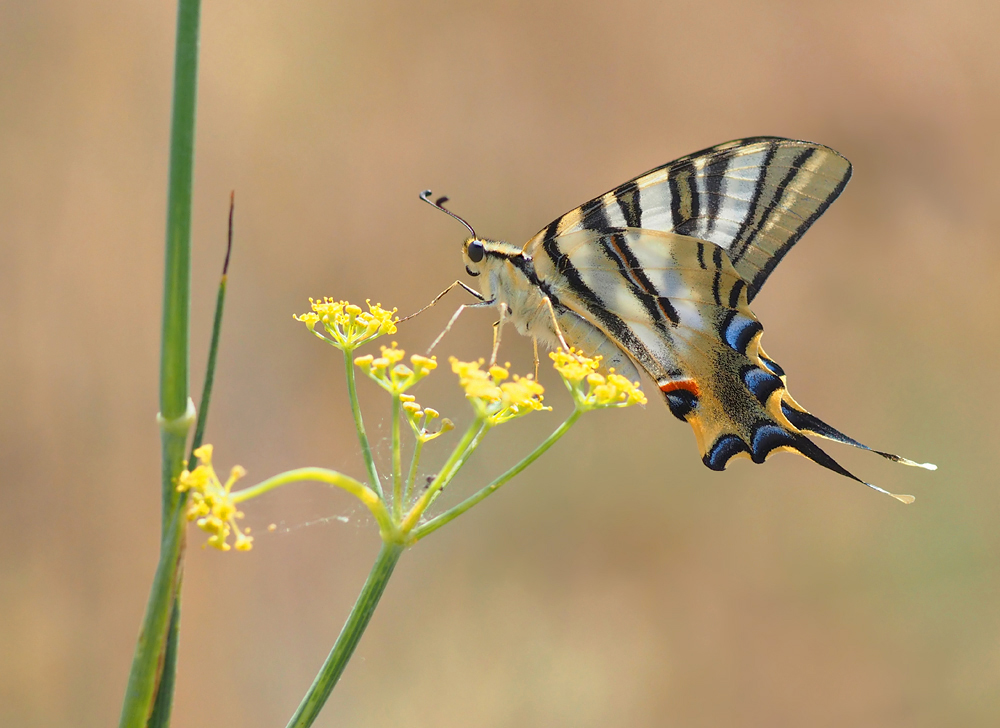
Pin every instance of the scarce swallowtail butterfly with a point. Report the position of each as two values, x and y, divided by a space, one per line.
657 275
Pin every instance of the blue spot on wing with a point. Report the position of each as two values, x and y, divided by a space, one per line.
739 332
723 450
761 384
768 437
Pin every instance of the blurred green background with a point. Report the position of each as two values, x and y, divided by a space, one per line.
619 581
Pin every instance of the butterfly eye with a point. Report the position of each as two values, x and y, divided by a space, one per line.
475 251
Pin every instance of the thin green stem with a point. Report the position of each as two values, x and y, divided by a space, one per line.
176 412
349 637
453 513
414 462
470 440
397 466
213 347
366 450
359 490
454 471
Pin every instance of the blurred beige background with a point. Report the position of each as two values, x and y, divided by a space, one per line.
618 582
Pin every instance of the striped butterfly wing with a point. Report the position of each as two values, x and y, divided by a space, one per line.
754 198
679 308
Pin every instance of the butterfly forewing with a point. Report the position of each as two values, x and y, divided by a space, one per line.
678 307
754 198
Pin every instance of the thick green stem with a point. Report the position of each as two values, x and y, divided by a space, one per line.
349 637
453 513
177 274
176 413
366 450
151 645
162 706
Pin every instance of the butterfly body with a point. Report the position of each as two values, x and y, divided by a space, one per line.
657 275
535 306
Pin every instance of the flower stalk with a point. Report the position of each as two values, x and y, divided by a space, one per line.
359 425
495 396
316 697
454 512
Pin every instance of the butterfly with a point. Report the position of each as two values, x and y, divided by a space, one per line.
657 275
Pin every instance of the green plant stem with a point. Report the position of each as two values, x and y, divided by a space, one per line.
453 513
397 466
414 462
366 450
160 717
213 351
163 705
451 466
458 466
177 273
349 637
362 492
176 416
151 644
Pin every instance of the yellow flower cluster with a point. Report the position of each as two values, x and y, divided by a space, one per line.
347 326
389 371
421 417
591 389
210 503
493 398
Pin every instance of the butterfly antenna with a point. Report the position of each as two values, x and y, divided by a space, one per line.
439 204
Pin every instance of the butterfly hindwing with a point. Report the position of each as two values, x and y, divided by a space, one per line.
679 308
754 198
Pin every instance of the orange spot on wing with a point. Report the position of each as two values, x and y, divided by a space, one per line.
688 384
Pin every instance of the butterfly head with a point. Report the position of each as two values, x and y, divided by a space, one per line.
481 254
473 252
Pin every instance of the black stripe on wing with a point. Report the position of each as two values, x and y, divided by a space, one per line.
609 321
777 255
617 250
627 197
753 197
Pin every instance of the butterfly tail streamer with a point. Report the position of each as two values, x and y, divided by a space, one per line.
810 424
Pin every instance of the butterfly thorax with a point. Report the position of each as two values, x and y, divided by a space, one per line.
533 304
509 280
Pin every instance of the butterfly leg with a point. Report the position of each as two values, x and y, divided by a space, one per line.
534 343
441 295
497 333
454 318
555 324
